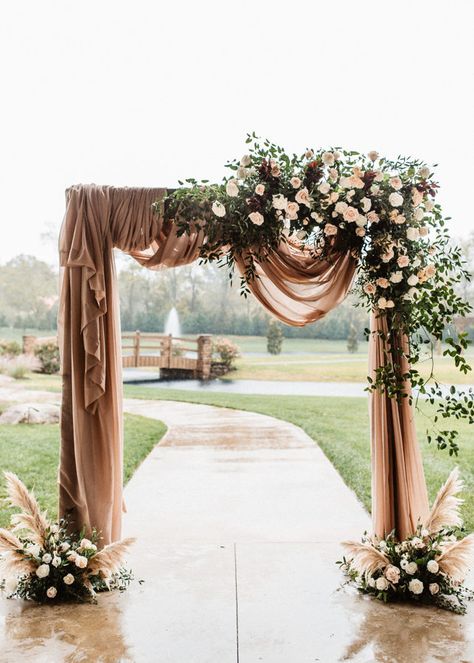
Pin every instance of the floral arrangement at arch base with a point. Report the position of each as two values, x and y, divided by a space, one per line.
46 563
428 568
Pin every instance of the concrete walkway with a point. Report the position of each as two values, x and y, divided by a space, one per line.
238 518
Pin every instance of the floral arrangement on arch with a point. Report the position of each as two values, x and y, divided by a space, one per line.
428 567
47 563
384 212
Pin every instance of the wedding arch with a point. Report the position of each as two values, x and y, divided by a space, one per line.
299 230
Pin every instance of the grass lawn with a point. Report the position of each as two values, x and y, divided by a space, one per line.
341 428
32 452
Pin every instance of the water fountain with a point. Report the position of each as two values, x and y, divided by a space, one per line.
172 324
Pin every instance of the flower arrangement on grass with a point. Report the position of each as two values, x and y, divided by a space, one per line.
429 567
383 212
47 563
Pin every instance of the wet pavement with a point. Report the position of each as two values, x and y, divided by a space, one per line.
238 518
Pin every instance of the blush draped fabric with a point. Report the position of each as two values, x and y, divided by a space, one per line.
292 285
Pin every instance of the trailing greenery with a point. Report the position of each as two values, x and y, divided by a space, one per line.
381 213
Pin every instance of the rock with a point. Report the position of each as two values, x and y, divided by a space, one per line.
31 413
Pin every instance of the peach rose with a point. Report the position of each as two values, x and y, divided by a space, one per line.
350 214
403 261
392 573
382 282
369 289
330 229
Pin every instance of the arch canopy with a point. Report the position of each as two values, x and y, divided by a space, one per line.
294 285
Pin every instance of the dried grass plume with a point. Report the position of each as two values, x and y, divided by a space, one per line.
445 509
109 559
31 516
364 557
457 558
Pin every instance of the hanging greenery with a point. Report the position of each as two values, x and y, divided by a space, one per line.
383 212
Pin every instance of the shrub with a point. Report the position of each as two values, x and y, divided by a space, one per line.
226 351
274 338
352 340
9 348
18 367
48 355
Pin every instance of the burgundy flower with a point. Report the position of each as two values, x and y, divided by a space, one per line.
314 172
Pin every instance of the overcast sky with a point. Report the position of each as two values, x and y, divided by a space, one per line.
146 92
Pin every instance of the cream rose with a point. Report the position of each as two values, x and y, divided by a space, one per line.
47 558
360 232
295 182
366 203
260 189
334 196
350 214
392 573
434 588
430 271
330 229
69 579
378 176
80 562
386 257
429 206
56 561
403 261
399 219
373 217
382 303
324 187
328 158
333 174
381 584
424 231
232 189
51 592
424 172
245 160
396 277
309 154
419 214
361 221
413 234
432 566
218 208
302 197
42 571
369 289
411 568
382 282
415 586
373 155
412 280
341 207
395 199
416 197
256 218
396 183
242 173
292 211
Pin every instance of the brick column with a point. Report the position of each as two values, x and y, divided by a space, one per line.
204 357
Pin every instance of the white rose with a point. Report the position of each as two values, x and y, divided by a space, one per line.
373 155
295 182
416 197
69 579
424 172
333 174
260 189
280 202
429 206
64 546
415 586
413 234
416 542
378 176
245 160
396 183
334 196
218 208
328 158
361 221
424 532
371 582
419 214
337 155
396 277
432 566
404 564
232 189
366 204
309 154
375 189
434 588
56 561
51 592
395 199
341 207
411 568
47 558
416 262
242 173
80 562
33 549
382 303
86 544
412 279
381 584
302 197
54 529
324 187
256 218
42 571
410 295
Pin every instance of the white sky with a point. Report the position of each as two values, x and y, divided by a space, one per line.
143 93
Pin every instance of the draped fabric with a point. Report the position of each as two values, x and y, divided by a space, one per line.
293 285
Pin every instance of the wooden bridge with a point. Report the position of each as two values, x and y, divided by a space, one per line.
175 357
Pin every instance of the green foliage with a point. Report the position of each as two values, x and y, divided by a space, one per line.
274 337
48 355
10 348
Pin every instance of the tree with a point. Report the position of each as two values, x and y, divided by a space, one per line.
274 337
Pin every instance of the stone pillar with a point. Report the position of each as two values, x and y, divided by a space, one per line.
204 357
29 343
136 348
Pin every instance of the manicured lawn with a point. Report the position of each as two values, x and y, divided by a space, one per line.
341 428
32 452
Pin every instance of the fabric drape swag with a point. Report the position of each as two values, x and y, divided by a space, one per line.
292 285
